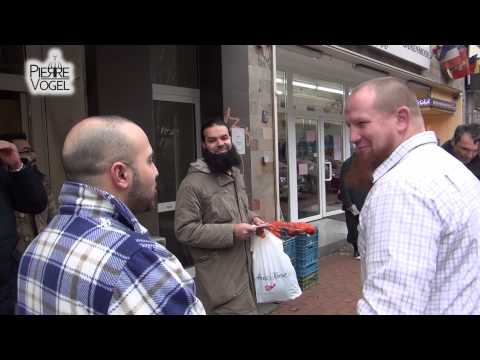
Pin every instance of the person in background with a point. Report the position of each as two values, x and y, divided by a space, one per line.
465 145
21 190
213 219
352 198
30 225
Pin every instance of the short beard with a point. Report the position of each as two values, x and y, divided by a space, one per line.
220 163
138 202
360 175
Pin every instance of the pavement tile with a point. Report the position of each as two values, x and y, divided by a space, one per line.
336 292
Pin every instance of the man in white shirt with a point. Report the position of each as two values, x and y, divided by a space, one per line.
419 231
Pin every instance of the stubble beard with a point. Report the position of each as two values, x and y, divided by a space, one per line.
138 201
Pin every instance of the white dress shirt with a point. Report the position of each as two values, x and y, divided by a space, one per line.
419 234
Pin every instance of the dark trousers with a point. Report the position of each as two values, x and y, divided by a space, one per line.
8 291
352 224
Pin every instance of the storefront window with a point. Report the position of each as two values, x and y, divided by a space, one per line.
312 136
333 158
307 168
282 142
312 95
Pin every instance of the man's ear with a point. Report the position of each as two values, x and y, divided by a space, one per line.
203 145
121 175
403 118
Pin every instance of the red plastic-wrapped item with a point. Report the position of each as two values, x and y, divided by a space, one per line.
292 228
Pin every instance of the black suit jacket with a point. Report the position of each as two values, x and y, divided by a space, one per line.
22 191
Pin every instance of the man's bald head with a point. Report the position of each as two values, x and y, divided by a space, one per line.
94 144
390 94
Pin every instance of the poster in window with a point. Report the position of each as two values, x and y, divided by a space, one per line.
302 169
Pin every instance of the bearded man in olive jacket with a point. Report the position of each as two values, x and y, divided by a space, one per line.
213 219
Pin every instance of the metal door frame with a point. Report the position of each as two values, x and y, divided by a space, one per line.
179 94
321 118
336 121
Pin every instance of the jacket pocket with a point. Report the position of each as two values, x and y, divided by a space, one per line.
216 285
202 259
221 209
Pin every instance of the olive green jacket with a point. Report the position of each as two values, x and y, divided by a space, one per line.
207 206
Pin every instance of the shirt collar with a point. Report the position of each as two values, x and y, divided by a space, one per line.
89 201
425 137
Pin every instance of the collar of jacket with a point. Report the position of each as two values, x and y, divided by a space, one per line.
91 202
223 179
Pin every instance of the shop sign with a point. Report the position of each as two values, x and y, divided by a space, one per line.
433 103
417 54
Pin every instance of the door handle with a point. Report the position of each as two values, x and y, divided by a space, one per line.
330 170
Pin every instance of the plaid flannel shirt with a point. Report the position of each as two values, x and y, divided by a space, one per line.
94 257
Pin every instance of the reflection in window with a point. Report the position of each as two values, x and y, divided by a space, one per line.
281 91
333 164
307 168
283 164
317 95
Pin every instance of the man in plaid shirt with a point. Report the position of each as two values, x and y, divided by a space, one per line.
94 257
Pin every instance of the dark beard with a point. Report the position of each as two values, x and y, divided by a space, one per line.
220 163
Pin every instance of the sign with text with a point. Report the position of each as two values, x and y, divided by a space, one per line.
437 104
417 54
54 76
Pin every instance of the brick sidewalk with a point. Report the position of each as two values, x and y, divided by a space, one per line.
336 293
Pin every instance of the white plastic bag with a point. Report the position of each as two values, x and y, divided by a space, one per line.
275 277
